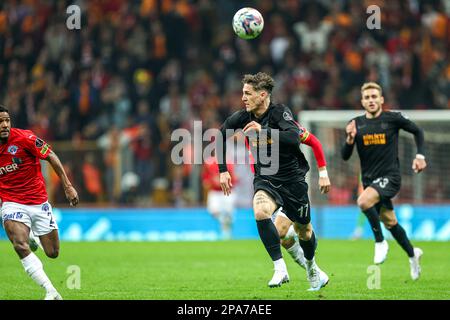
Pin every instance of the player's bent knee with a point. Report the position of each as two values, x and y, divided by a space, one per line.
53 253
261 214
389 223
21 247
305 235
361 202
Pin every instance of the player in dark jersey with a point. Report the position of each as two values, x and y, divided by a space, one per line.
376 137
25 205
279 179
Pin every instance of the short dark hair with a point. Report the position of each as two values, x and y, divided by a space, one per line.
259 81
3 108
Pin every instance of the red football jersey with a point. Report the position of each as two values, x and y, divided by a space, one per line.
210 174
21 178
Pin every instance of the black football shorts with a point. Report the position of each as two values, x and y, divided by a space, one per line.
387 187
293 197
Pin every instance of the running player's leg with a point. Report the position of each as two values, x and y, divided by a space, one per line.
226 220
307 238
288 240
387 215
298 209
45 227
18 234
368 201
50 244
227 216
264 206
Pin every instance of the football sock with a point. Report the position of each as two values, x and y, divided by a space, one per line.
374 220
399 234
270 238
296 252
309 246
33 267
280 264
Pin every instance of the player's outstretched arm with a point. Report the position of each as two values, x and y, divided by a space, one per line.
324 180
311 140
419 163
69 190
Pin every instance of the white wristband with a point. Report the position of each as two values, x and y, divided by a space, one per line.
323 174
420 156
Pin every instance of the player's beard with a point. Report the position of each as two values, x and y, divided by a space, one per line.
4 136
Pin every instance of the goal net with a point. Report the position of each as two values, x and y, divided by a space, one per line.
431 186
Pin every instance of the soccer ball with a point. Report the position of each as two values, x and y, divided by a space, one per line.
248 23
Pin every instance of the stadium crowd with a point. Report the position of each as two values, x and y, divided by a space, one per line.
137 70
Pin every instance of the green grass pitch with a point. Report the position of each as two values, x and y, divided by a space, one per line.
224 270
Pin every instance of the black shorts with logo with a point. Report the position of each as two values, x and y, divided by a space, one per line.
292 197
387 187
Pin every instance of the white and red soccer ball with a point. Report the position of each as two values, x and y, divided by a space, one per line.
248 23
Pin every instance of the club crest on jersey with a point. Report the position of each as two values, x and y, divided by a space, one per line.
287 116
13 149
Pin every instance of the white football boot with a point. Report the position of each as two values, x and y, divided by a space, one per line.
381 251
52 295
316 277
279 277
414 263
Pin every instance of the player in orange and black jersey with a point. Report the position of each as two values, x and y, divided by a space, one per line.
279 173
376 137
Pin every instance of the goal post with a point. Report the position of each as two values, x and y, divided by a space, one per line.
431 186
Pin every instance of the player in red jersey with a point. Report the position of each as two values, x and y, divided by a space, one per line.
24 198
219 205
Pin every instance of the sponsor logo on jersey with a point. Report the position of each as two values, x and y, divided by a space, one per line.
374 139
12 216
13 149
258 142
8 168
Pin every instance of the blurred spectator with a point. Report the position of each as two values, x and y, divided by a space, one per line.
91 179
151 66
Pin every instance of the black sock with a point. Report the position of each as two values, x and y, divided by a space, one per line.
309 246
270 238
399 234
375 225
